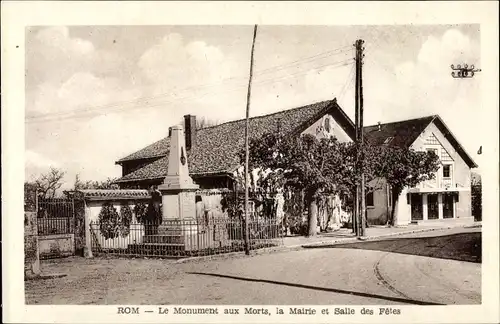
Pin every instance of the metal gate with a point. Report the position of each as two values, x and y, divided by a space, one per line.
58 228
55 216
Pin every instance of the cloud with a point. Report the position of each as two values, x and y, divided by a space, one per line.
53 56
58 38
36 163
69 74
90 146
37 160
82 91
171 64
67 77
425 86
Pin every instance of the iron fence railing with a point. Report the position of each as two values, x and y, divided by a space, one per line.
53 226
55 208
183 238
55 216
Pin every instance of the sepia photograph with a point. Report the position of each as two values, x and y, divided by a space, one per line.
240 167
357 154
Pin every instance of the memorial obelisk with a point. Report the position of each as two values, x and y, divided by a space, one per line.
178 189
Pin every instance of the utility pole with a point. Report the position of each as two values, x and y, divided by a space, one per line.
355 217
362 140
360 189
247 239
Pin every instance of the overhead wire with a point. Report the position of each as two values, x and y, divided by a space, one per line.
148 98
350 79
86 113
89 110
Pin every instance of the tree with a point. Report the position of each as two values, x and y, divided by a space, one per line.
402 167
316 166
48 183
476 192
327 166
204 122
89 184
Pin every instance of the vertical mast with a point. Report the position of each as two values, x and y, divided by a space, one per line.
247 243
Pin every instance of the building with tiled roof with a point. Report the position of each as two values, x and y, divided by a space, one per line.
448 196
213 152
213 158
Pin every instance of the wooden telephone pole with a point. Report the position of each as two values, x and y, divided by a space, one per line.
360 204
355 218
249 92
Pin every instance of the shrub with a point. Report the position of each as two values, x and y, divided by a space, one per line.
125 220
140 210
112 224
109 221
477 201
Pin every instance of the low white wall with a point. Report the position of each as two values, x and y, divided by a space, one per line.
212 202
403 209
58 245
136 234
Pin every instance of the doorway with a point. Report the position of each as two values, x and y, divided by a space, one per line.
416 207
448 205
432 207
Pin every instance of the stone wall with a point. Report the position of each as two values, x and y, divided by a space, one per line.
31 250
56 246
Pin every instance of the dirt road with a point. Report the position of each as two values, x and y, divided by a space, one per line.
441 267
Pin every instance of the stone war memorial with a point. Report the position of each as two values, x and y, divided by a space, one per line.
180 228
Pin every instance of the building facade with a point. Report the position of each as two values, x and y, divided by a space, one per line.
447 196
214 158
214 152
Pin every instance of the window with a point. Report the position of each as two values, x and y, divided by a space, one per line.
446 171
435 150
327 125
369 199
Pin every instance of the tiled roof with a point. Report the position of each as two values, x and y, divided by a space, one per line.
403 133
216 148
98 194
159 148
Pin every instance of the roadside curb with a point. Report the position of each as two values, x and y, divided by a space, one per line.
46 276
297 247
374 237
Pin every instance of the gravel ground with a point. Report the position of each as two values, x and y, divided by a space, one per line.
440 267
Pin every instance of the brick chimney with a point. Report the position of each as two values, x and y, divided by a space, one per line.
189 130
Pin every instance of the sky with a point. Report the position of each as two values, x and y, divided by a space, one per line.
95 94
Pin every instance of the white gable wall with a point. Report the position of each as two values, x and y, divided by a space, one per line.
461 175
319 129
461 171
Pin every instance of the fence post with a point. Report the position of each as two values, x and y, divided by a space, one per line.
31 248
87 250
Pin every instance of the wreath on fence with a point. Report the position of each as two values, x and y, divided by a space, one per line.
125 220
109 221
112 224
140 211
